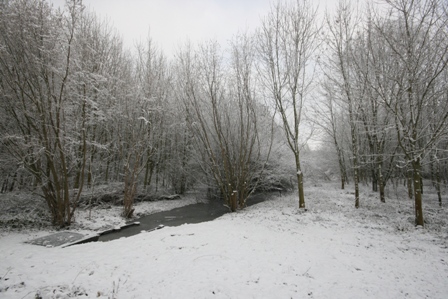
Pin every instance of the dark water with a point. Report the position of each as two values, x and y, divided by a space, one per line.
195 213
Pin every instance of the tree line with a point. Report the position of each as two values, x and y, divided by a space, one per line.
386 101
79 109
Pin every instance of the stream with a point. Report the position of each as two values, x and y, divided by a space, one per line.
194 213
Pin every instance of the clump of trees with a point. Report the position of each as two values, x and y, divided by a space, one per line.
385 73
79 109
231 131
40 96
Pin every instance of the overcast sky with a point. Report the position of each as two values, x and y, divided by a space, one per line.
172 22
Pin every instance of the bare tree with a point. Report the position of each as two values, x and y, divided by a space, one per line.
339 71
287 41
221 108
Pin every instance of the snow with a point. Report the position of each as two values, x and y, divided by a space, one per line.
269 250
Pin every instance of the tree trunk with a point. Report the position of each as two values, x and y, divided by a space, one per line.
356 181
89 173
130 188
439 194
382 192
409 184
157 176
381 182
300 182
438 182
416 165
341 161
233 201
355 153
374 180
149 169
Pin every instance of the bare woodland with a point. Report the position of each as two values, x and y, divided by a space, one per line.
79 109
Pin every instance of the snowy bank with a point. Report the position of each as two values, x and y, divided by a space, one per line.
270 250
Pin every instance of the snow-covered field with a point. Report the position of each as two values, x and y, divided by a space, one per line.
270 250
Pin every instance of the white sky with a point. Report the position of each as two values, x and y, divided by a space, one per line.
172 22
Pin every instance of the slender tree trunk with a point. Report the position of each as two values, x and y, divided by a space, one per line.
416 166
380 178
374 180
355 151
148 171
342 170
435 174
410 184
438 182
381 183
157 176
89 173
78 175
356 181
300 182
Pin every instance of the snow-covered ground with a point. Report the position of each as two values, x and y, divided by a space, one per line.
270 250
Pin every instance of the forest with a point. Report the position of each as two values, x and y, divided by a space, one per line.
358 95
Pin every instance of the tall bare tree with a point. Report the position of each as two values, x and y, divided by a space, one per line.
341 31
287 40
